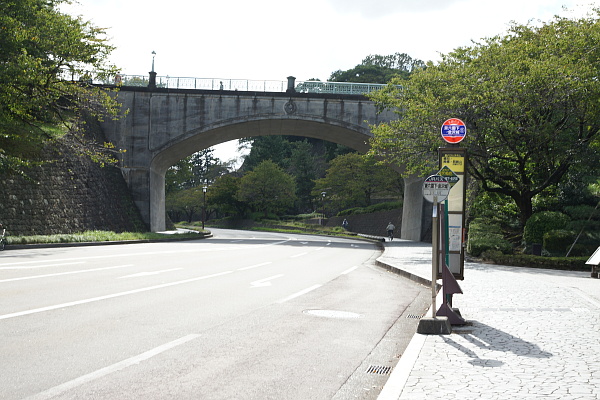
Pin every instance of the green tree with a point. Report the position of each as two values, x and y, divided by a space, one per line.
187 202
306 166
379 69
352 180
274 148
193 171
46 62
222 196
268 188
530 99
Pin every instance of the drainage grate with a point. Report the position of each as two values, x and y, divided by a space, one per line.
379 369
414 316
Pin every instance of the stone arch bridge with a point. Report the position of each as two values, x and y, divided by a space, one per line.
164 125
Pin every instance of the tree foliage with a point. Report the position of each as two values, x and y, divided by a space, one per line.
268 188
379 69
530 100
194 171
43 52
222 196
353 179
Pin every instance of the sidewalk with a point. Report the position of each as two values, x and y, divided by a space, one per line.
531 334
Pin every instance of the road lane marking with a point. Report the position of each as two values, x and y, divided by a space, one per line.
264 282
149 253
149 273
40 266
300 293
346 272
64 273
60 389
298 255
254 266
109 296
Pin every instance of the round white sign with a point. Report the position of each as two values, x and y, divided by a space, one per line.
435 188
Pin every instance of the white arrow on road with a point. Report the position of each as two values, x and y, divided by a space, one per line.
140 274
264 282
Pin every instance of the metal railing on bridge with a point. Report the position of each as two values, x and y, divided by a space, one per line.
246 85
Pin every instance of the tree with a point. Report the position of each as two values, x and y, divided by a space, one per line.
275 148
194 171
530 100
306 166
187 202
222 196
379 69
46 62
352 180
268 188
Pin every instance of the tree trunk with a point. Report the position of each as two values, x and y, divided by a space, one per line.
525 205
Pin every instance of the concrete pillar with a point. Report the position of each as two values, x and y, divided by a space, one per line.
291 87
152 81
412 209
157 201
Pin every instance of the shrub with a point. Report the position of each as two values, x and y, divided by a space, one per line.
540 223
558 241
390 205
526 260
582 212
485 236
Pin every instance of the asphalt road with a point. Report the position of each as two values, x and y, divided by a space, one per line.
242 315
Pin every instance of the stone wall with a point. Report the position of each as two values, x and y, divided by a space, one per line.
71 194
375 223
370 224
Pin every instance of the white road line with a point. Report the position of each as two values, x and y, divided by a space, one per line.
265 282
346 272
60 389
254 266
300 293
298 255
64 273
109 296
149 273
147 253
41 266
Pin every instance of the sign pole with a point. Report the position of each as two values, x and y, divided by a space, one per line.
434 256
435 189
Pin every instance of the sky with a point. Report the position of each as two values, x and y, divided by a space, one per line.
274 39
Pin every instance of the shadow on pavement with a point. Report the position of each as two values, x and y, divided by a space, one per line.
488 338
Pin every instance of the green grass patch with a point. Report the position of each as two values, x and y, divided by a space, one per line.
94 236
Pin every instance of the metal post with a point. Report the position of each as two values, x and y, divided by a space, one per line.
204 206
434 256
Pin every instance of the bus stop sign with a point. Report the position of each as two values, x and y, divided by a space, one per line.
435 188
453 130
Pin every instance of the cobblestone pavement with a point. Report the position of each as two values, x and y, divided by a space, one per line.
530 334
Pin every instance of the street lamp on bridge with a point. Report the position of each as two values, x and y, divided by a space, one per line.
204 189
152 81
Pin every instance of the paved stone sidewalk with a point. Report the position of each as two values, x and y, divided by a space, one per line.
531 334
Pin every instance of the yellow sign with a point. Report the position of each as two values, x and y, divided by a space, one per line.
456 162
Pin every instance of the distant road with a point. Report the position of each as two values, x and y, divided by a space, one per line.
243 315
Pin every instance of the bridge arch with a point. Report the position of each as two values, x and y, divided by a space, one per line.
165 125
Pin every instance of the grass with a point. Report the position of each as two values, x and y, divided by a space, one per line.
94 236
